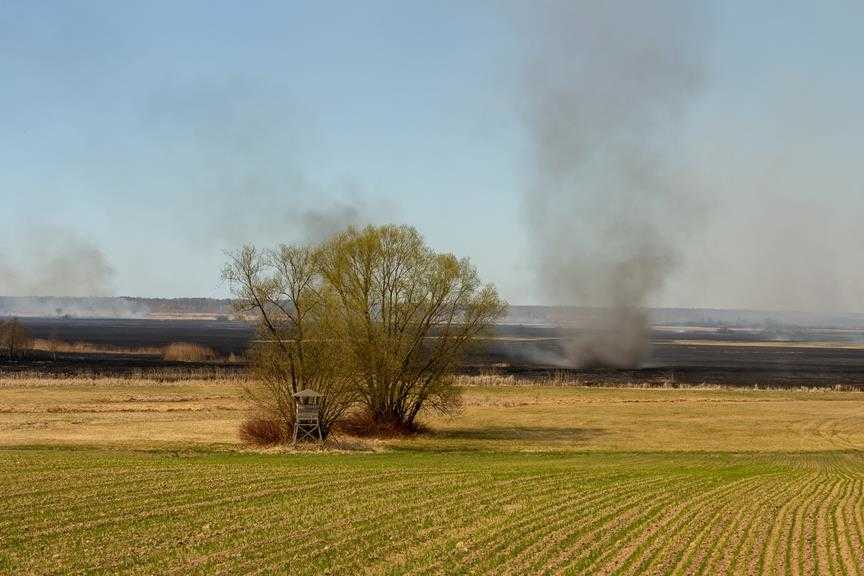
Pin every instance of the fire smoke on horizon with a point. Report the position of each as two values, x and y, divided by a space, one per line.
607 85
55 261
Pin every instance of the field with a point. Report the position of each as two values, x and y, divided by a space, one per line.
812 357
422 513
138 476
499 415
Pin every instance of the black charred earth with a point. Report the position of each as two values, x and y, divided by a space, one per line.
764 356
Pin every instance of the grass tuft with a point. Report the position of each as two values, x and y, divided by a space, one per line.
186 352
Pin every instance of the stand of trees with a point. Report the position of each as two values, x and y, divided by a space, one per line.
371 318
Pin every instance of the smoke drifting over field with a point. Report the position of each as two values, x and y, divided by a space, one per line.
608 200
249 143
55 261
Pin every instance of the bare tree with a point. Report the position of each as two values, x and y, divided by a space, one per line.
14 337
294 350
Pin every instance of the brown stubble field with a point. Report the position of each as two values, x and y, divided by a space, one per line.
137 413
499 414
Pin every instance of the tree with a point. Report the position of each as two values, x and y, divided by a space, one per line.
14 337
294 350
373 314
408 315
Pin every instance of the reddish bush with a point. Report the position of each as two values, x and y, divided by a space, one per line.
262 431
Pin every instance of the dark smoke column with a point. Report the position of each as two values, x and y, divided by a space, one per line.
608 200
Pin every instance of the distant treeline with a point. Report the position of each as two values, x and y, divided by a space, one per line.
110 307
711 317
185 305
131 307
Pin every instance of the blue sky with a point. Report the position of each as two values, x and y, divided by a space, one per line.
167 132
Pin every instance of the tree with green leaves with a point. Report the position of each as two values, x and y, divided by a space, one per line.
295 350
371 317
406 315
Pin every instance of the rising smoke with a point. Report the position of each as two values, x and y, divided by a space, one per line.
319 223
54 271
609 199
55 261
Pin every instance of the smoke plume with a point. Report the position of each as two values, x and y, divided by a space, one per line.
318 224
609 199
54 261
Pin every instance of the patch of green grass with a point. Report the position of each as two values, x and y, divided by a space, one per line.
421 512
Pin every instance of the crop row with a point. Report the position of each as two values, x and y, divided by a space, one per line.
423 513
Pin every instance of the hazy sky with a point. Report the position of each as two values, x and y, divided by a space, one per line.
148 137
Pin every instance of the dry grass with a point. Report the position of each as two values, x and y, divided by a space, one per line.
186 352
62 346
120 412
498 415
162 374
561 418
176 351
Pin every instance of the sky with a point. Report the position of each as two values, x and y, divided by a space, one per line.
141 140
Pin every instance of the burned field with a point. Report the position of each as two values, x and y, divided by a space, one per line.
224 336
682 356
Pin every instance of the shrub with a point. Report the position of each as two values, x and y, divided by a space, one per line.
263 431
54 345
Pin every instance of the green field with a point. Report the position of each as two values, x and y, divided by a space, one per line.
480 495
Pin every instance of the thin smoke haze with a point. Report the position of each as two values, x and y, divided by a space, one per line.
249 150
